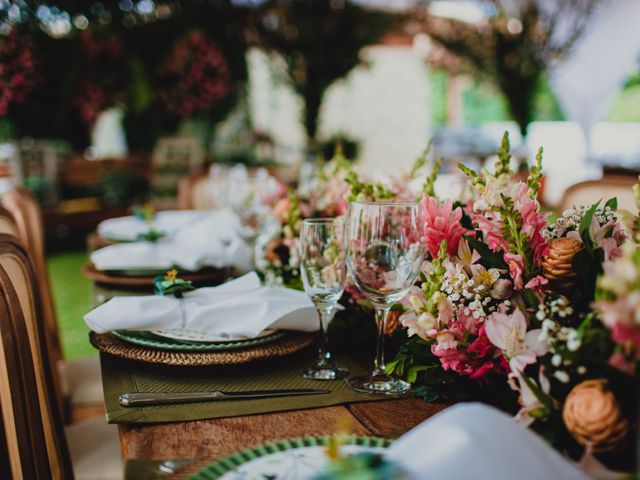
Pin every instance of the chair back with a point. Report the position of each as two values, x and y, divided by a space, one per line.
590 191
26 216
34 437
194 193
8 223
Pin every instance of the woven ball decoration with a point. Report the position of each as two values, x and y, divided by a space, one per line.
593 416
556 265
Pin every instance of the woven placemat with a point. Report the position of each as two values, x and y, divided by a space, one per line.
291 343
124 376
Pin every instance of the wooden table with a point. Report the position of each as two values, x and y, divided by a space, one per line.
209 440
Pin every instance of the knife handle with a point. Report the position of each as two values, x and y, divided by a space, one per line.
141 399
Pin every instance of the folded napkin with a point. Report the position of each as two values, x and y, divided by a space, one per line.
239 308
472 440
213 240
166 222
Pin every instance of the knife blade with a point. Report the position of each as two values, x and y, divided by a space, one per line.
166 398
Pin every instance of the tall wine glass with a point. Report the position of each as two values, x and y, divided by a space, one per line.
323 269
384 255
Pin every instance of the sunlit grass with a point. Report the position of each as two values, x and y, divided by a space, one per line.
72 296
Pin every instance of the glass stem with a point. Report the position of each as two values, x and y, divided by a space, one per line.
325 314
381 321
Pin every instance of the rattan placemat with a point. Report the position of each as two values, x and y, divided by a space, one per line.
291 343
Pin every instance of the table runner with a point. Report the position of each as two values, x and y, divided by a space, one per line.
122 376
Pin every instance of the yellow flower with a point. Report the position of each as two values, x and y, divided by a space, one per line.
485 277
171 275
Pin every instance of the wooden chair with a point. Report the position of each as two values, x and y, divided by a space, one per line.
608 186
35 442
79 380
194 192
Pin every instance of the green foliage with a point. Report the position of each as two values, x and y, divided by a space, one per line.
152 235
323 47
361 466
476 179
488 258
421 161
361 190
428 188
170 284
535 174
502 166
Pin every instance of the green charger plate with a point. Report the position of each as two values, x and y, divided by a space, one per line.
218 469
149 340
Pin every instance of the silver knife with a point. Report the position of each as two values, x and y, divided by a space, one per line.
142 399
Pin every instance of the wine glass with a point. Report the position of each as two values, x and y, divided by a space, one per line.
323 272
384 254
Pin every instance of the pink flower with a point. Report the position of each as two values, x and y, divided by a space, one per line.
536 283
490 224
516 269
528 400
509 333
441 222
621 362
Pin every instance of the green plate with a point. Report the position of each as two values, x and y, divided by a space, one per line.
149 340
287 467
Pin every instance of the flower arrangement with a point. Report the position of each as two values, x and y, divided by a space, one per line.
194 77
328 195
103 81
504 309
19 70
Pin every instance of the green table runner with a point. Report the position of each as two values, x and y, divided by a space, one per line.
122 376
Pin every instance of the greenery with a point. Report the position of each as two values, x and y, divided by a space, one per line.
315 44
73 299
512 50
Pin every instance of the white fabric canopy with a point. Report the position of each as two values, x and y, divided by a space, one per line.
587 81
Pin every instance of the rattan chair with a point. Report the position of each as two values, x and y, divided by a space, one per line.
608 186
36 444
78 381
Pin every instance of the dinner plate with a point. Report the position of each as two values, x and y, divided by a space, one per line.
302 459
150 340
195 336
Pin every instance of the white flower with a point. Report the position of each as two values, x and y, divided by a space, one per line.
561 376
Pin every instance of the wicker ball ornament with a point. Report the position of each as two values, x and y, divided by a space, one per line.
593 416
556 265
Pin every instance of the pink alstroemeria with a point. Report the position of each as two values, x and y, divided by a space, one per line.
509 333
516 269
529 401
441 222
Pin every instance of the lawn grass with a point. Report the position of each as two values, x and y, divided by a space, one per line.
72 296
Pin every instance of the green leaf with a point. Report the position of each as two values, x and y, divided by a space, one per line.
412 373
612 203
585 224
488 258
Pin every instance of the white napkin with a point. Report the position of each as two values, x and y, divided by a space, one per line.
472 440
167 222
239 308
213 240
